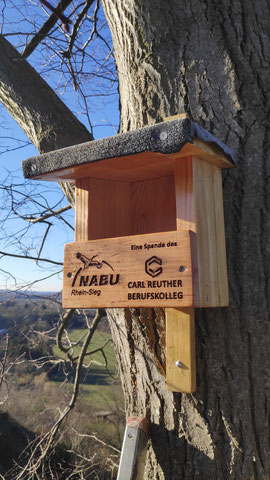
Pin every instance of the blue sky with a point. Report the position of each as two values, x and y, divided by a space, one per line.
15 272
26 271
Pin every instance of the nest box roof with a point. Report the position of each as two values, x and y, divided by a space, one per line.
144 153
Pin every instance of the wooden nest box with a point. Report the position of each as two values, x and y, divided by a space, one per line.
149 226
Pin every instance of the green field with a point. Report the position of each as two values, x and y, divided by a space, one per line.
100 383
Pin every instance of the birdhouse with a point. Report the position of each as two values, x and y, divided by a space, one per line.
149 228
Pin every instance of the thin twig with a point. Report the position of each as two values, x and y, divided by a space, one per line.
49 225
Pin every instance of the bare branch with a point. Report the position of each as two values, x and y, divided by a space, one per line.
67 316
28 257
56 213
97 440
76 27
45 29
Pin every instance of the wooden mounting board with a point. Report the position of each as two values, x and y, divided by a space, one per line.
180 350
153 270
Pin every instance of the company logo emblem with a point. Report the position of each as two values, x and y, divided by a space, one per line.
153 266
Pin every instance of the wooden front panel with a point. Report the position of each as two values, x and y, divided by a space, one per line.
155 270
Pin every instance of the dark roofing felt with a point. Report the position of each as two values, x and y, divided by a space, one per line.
166 137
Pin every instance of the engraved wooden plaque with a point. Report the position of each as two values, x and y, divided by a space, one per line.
153 270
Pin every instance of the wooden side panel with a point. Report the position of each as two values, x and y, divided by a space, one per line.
220 236
153 205
185 199
210 235
180 350
82 209
186 211
206 233
180 327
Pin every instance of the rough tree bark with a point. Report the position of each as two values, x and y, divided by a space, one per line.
210 59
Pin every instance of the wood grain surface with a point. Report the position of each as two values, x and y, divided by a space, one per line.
153 270
180 350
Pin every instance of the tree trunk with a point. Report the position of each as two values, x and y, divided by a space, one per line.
211 60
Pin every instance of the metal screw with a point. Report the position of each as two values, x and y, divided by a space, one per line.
163 135
33 167
69 274
130 435
182 268
178 364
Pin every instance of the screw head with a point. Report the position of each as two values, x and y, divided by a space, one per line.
163 135
182 268
178 364
69 274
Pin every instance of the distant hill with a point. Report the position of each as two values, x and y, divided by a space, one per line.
35 306
17 294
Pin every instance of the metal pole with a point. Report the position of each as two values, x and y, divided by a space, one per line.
134 448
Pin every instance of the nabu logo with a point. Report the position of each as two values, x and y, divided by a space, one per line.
93 280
